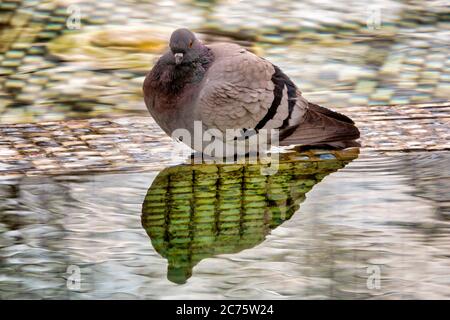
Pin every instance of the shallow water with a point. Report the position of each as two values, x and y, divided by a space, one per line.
338 53
386 215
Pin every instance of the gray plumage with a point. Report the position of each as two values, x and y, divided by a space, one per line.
227 87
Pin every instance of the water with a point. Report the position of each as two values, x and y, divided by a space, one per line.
338 53
386 215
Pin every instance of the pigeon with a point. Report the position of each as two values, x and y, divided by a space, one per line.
223 88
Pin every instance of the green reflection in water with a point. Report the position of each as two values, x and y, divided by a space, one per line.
192 212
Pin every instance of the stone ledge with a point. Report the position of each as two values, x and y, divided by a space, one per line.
137 143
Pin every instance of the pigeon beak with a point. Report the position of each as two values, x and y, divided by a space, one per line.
178 58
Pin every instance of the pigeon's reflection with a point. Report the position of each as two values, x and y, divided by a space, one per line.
192 212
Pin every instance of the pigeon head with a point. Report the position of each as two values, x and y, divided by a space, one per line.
184 46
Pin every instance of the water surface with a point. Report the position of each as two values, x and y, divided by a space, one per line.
386 214
338 53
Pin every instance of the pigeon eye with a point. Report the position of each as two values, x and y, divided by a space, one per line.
190 44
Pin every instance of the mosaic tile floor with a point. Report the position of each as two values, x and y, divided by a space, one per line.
137 143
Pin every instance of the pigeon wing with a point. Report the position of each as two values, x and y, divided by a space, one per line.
239 91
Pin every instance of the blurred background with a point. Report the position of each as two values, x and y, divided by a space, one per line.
72 59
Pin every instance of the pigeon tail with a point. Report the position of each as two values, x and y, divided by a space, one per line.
322 127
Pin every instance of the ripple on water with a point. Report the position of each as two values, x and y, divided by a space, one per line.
382 213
